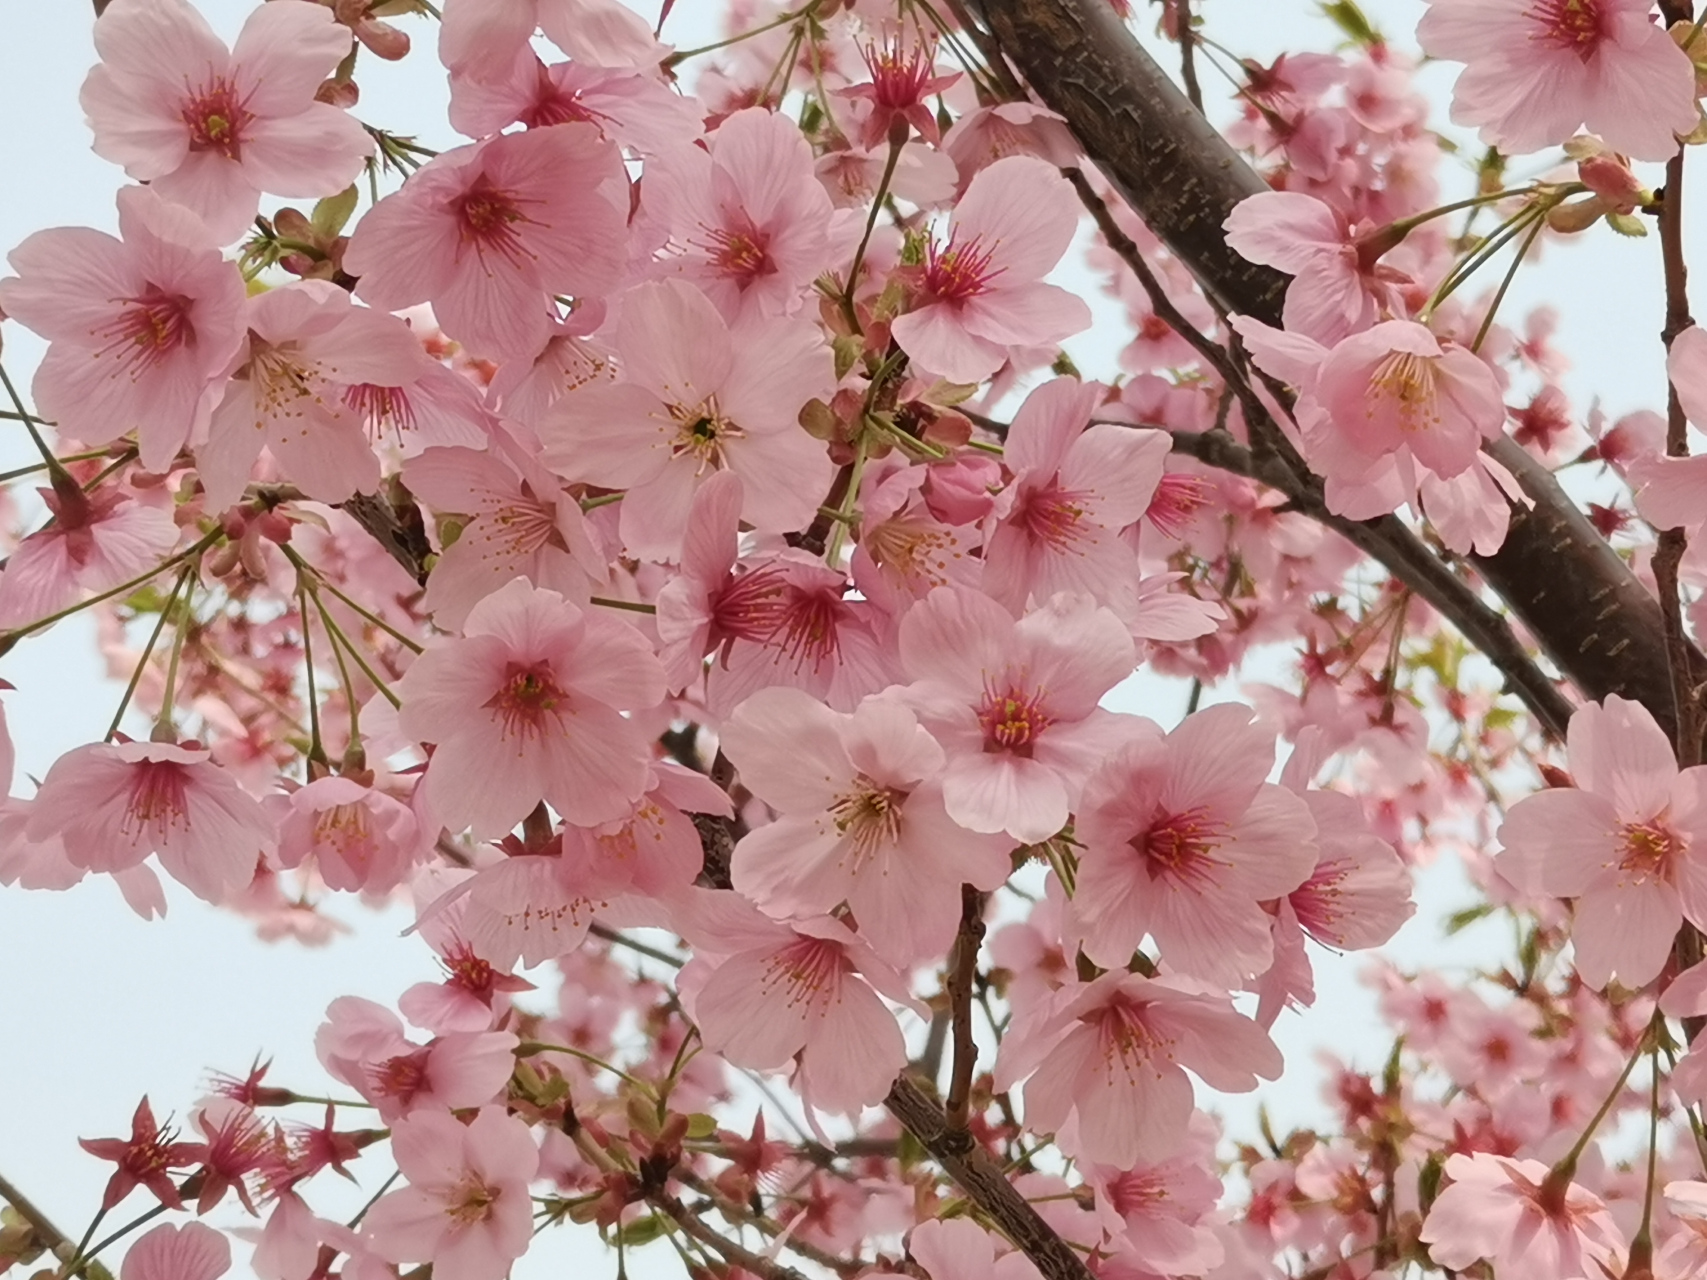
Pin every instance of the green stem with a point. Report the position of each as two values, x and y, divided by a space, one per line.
681 56
1505 284
1502 236
350 700
142 1219
865 240
303 566
147 651
163 722
316 749
633 606
530 1047
123 588
30 420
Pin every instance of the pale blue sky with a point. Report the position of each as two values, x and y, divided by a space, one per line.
97 1007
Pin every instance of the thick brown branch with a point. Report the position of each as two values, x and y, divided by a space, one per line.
984 1183
1575 596
397 528
726 1249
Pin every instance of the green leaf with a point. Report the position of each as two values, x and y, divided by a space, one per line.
642 1230
1350 19
1459 921
333 212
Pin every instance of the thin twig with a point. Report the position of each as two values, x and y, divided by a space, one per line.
964 967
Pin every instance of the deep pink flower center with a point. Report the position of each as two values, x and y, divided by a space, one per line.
471 1202
1178 845
1129 1043
1051 515
809 970
470 973
809 631
491 221
158 804
553 105
380 407
750 607
1575 26
401 1077
524 524
740 252
1135 1191
869 816
919 550
1405 383
1648 849
529 700
899 80
217 119
1013 719
1177 499
346 829
957 272
152 325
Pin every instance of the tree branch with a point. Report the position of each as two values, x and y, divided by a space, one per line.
963 969
1579 600
984 1183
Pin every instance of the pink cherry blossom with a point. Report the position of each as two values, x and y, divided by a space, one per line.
211 128
1159 1212
697 397
520 523
633 110
959 1249
112 804
480 38
95 541
1338 287
466 1208
1075 487
1112 1054
1537 71
1495 1208
860 819
527 706
764 993
491 233
189 1252
747 220
139 327
983 292
1014 704
1183 841
537 904
981 137
362 1044
1628 842
360 838
295 393
897 96
1396 390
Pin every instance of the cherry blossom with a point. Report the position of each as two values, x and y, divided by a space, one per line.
697 397
481 37
860 819
490 233
1111 1054
982 291
465 1208
188 1252
829 1012
211 128
144 1159
747 220
527 707
140 327
1502 1209
958 1249
1183 840
1538 71
296 392
1075 488
1014 704
362 1044
93 543
359 837
1623 842
113 804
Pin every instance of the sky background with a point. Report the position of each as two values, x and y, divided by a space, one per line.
98 1007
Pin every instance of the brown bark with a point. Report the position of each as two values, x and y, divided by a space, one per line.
1586 610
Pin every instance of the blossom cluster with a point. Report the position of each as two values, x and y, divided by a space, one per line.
676 511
